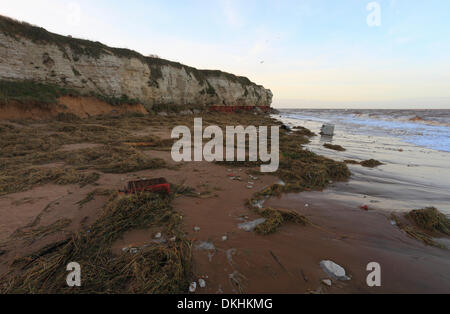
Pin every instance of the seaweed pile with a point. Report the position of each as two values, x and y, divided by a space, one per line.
156 268
424 224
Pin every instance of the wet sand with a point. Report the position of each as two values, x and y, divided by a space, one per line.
285 262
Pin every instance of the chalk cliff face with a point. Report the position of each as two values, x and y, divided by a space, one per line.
32 53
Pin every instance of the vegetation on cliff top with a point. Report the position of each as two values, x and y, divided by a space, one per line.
28 92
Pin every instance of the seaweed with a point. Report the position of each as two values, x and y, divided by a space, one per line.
275 218
338 148
156 268
371 163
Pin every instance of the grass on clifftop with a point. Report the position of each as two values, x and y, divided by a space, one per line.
28 93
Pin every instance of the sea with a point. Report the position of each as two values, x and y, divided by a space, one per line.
413 145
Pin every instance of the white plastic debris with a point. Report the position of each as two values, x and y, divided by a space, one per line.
281 182
134 250
158 235
224 238
327 282
173 239
327 129
259 204
202 283
206 246
249 226
196 229
193 287
306 205
334 270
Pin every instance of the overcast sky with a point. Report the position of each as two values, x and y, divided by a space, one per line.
310 53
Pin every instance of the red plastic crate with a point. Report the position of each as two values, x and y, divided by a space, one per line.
151 185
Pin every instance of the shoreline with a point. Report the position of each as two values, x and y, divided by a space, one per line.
287 261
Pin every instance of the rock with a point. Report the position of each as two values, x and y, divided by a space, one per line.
327 282
202 283
249 226
193 287
334 270
2 252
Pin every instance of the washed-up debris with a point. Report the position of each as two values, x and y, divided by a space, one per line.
210 256
327 282
230 254
306 205
173 239
334 270
202 283
364 207
2 252
208 246
238 281
131 250
277 260
249 226
159 241
275 218
158 235
259 204
196 229
252 177
371 163
327 130
338 148
193 287
144 185
281 182
224 238
249 187
134 250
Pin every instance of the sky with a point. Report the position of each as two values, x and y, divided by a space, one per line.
310 53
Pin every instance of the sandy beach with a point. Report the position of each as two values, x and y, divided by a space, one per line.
229 259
